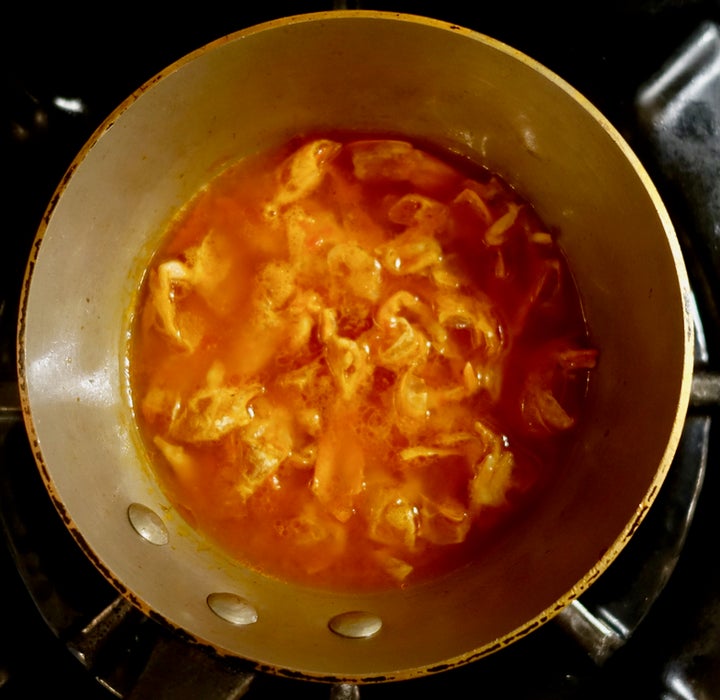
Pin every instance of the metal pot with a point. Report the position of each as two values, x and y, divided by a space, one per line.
370 71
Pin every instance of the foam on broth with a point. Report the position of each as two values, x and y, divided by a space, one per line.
354 360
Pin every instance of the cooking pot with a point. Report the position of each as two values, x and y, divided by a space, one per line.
371 71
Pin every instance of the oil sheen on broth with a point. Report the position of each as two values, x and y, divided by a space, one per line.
356 360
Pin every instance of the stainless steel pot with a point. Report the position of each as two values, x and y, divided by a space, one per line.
251 90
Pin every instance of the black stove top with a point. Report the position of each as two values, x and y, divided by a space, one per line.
648 628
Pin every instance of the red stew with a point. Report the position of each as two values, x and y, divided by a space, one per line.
354 360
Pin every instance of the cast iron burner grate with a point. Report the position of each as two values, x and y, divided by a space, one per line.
57 607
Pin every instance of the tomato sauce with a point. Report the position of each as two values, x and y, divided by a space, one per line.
355 359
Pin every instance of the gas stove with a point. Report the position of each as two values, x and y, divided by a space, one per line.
648 628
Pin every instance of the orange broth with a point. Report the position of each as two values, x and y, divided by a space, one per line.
355 360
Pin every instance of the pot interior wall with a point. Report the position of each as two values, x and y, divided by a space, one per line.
390 74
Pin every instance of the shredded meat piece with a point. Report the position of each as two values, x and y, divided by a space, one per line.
302 173
214 410
382 160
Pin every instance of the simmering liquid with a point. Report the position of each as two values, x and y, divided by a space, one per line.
355 360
